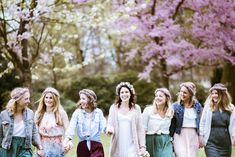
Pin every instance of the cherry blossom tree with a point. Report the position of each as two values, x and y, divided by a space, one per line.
176 35
16 21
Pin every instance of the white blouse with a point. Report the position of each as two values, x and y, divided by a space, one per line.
19 129
154 123
189 118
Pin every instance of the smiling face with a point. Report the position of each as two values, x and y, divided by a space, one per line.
24 101
160 98
49 100
125 94
215 96
184 94
84 100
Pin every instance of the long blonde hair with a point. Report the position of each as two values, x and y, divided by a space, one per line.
224 101
57 107
169 111
190 86
16 95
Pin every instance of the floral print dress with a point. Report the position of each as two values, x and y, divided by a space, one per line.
51 136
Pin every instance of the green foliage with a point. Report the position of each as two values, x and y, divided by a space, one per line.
104 88
201 94
8 81
68 105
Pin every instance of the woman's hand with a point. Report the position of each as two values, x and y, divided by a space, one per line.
201 142
109 130
144 153
67 146
40 152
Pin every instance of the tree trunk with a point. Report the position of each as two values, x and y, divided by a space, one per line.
217 75
165 77
228 78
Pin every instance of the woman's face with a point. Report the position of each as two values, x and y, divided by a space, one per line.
125 94
160 98
215 96
48 100
184 94
24 101
84 101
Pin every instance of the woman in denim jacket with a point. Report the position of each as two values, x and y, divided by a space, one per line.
185 123
17 127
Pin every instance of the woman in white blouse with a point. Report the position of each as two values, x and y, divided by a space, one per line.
157 120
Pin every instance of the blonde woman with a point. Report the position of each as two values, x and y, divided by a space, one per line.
217 126
185 123
52 121
157 121
17 128
125 124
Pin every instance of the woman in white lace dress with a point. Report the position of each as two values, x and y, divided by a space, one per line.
125 124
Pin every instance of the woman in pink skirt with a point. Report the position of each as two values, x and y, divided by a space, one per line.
185 123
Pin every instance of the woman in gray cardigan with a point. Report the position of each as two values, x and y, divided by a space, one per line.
125 124
17 128
217 125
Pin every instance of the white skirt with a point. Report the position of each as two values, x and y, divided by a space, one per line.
186 144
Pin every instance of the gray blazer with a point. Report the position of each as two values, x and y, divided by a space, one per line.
7 125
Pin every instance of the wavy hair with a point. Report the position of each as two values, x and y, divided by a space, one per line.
167 108
132 99
224 101
57 107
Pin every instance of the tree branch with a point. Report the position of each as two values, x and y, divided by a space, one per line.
177 9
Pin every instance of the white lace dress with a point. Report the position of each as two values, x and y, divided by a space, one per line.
125 139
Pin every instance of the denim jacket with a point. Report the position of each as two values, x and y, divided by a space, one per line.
7 125
79 120
177 120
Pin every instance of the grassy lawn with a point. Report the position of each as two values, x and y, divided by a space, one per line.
105 141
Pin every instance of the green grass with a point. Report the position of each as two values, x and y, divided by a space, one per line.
106 140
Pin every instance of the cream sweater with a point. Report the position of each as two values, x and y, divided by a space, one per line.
137 130
205 123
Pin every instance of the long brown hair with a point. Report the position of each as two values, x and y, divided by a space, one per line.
132 99
224 101
57 107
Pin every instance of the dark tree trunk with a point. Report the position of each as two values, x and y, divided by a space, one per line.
228 78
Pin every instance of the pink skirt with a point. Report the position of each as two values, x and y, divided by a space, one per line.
186 144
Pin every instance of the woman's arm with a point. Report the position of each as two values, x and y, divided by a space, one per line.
110 123
232 127
65 119
72 125
140 129
202 125
145 118
102 122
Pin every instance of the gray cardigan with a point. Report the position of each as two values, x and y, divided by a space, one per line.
205 123
7 125
137 130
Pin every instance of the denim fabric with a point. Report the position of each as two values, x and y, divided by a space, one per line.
177 120
79 120
7 125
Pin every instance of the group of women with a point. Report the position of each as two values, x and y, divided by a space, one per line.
162 130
